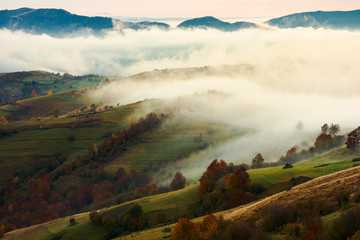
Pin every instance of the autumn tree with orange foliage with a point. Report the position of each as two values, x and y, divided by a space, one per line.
186 230
33 94
292 151
239 179
238 198
214 171
323 142
209 226
4 120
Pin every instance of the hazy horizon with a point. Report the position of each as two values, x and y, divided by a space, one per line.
187 8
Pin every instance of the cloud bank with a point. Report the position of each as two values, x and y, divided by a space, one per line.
296 75
132 52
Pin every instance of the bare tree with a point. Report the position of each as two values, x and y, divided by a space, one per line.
258 161
325 128
334 129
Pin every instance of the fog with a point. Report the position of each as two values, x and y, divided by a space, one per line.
295 75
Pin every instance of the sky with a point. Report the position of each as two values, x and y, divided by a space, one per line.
186 8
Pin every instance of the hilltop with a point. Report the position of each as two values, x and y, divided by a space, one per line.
214 23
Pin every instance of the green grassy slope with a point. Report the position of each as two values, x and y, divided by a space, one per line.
172 140
32 148
169 203
21 84
277 178
44 106
37 142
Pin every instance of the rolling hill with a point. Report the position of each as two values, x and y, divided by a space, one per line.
60 23
339 174
214 23
77 156
74 150
19 85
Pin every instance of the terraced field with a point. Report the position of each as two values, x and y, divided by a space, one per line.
35 144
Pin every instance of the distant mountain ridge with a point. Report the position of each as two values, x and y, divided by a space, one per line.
320 19
60 23
211 22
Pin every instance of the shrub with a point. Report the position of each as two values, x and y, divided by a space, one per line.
327 207
238 198
288 165
166 230
347 224
72 221
178 182
109 222
2 230
256 188
314 230
341 197
260 235
113 233
185 230
160 218
238 230
293 229
356 197
277 215
96 218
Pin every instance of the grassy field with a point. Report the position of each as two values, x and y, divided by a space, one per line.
31 148
277 178
169 203
35 146
82 230
171 141
19 85
7 110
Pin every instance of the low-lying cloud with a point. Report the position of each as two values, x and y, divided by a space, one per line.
304 75
282 52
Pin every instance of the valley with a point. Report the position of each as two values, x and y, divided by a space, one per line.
183 121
